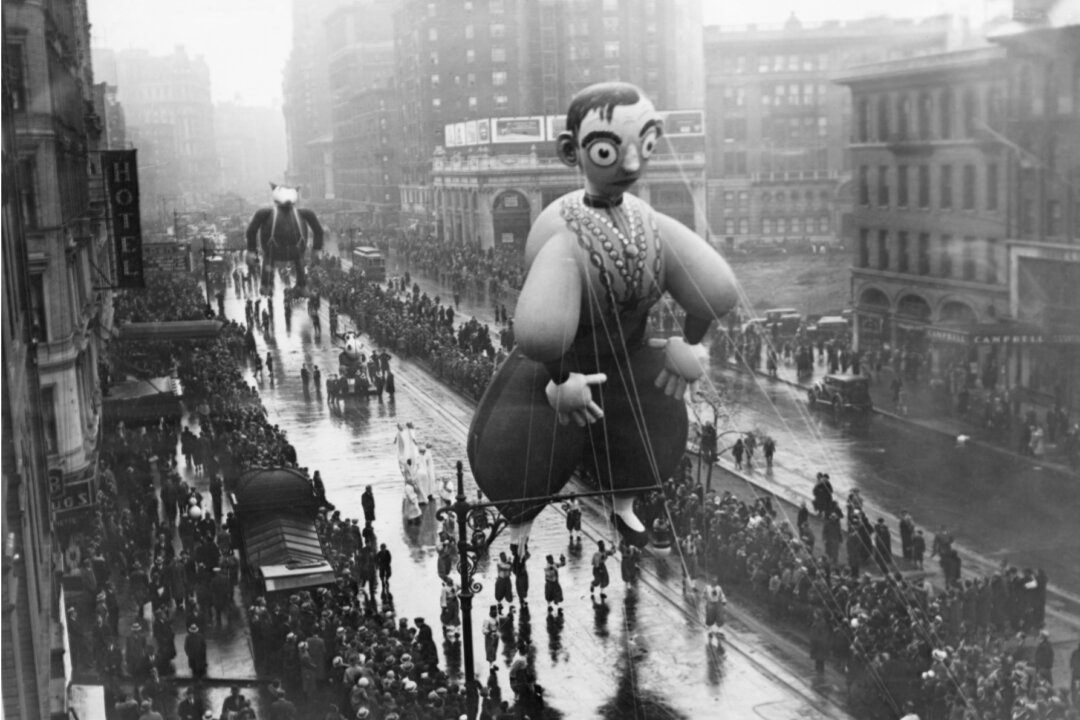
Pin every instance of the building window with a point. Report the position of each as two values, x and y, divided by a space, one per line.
611 6
495 7
883 250
946 187
862 132
15 70
502 102
436 102
729 198
883 186
744 198
470 79
926 111
781 226
969 259
611 25
946 256
883 118
433 34
469 32
28 194
992 186
472 102
991 260
498 54
435 81
434 57
498 31
766 226
431 8
498 78
864 248
864 185
903 119
924 186
969 187
970 112
48 416
902 186
823 225
1053 218
611 49
744 226
924 254
729 226
39 313
902 251
946 114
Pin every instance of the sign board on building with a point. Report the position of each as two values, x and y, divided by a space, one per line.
167 257
508 238
555 125
122 181
459 134
518 130
470 132
449 132
683 123
483 131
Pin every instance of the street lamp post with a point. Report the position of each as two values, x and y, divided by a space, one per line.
479 517
206 269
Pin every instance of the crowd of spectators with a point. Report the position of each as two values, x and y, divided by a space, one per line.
973 650
495 270
159 550
407 321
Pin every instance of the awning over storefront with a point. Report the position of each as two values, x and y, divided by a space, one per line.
1000 334
87 702
274 489
287 552
175 330
141 401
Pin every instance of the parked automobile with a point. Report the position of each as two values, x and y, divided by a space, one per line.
842 393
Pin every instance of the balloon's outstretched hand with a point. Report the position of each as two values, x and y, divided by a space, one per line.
572 399
252 257
683 364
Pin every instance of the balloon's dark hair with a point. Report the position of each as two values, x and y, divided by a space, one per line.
604 97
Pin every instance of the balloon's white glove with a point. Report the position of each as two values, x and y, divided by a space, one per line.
573 398
252 257
683 364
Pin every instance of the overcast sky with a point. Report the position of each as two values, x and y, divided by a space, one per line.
246 42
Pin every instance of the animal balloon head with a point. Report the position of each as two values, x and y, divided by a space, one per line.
352 346
283 196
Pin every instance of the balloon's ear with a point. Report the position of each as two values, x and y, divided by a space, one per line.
566 148
273 186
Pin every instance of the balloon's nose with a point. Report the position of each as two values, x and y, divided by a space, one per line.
632 161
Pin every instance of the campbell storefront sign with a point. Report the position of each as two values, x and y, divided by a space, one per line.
122 181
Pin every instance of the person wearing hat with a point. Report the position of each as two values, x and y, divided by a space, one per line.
147 711
195 649
233 704
282 708
190 707
1044 658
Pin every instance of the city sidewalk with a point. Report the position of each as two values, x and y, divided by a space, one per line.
924 410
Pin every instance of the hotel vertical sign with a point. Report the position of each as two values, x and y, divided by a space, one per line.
122 181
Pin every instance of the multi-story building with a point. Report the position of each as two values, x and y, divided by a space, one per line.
366 113
1042 136
250 141
966 170
52 327
307 103
170 119
484 86
778 126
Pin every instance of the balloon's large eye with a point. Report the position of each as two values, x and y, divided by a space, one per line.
648 144
603 153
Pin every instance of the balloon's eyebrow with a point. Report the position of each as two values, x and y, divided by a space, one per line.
600 135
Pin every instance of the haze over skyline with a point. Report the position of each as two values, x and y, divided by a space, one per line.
246 43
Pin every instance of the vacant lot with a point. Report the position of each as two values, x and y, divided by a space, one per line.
812 284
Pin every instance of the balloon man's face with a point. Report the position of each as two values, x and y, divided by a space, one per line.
614 154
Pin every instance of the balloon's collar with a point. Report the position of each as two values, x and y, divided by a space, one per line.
598 201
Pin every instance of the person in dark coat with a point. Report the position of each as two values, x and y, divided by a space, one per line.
190 707
195 649
367 502
823 494
1044 658
820 641
918 549
883 545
